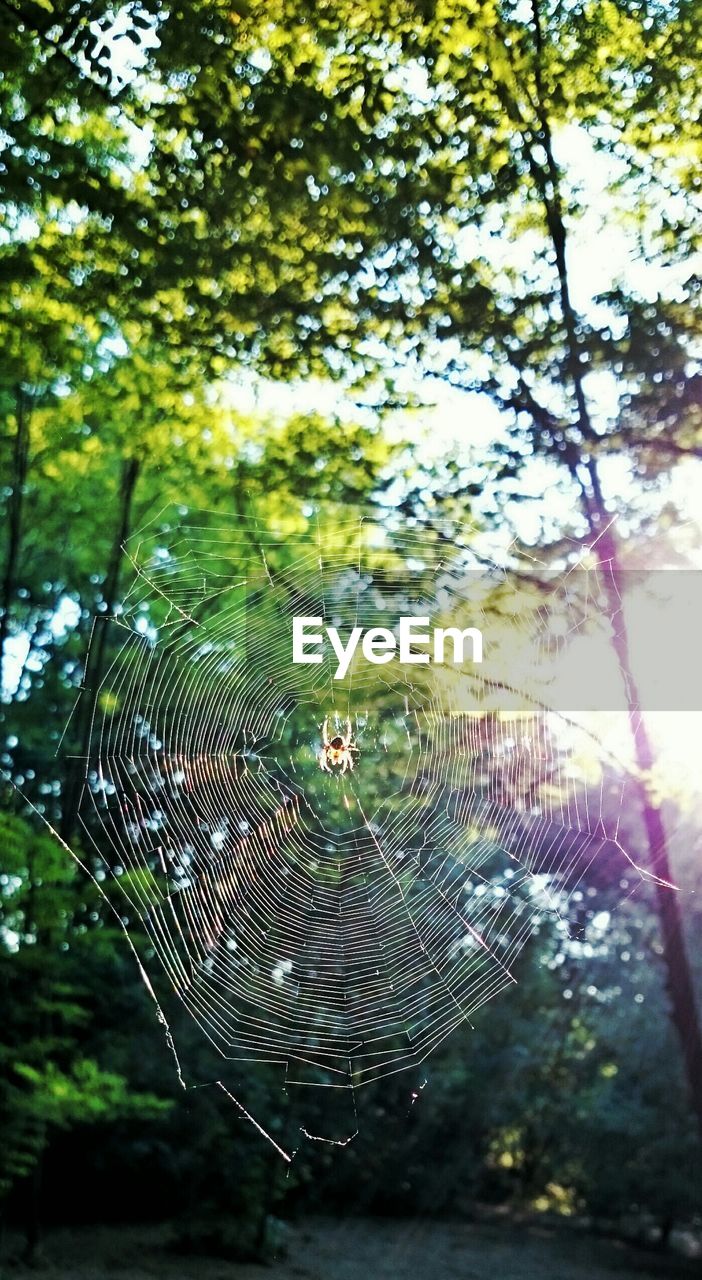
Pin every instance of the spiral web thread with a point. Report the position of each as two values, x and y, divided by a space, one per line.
339 925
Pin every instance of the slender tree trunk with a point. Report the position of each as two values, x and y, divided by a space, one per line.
582 463
20 459
96 657
40 1004
32 1224
679 980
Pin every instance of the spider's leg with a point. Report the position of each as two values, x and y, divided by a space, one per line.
325 731
349 732
323 762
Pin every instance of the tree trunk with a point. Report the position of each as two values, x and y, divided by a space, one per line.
95 660
32 1224
679 981
581 461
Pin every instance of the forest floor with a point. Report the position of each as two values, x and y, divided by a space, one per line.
357 1249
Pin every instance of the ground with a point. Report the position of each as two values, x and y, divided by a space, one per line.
359 1249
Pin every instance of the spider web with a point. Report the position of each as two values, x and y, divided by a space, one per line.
336 925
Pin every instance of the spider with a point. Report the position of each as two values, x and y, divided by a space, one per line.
337 751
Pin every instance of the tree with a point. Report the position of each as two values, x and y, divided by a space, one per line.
468 248
543 356
47 1080
344 190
